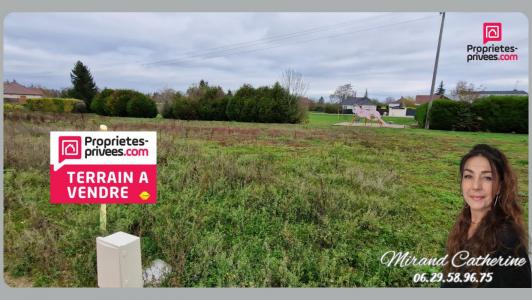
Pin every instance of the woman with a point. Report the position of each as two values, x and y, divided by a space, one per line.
490 223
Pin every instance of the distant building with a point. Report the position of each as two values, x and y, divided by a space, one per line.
397 108
17 93
348 104
422 99
502 93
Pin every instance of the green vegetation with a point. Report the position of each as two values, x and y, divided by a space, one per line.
322 119
247 204
56 105
83 86
264 104
124 103
493 114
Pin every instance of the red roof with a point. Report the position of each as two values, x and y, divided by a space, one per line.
422 99
15 88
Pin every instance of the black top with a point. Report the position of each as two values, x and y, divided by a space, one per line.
505 276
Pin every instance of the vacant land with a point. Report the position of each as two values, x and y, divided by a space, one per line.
322 119
246 205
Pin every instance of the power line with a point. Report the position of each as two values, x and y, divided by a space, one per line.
225 53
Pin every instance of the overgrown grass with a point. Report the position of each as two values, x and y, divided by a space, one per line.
250 205
317 119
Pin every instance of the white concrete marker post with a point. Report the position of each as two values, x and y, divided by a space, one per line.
119 261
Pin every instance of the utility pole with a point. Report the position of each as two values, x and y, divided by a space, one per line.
427 119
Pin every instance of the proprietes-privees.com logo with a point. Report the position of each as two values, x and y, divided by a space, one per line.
491 32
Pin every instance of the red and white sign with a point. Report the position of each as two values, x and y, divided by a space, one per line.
97 167
492 32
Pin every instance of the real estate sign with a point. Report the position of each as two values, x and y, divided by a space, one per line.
96 167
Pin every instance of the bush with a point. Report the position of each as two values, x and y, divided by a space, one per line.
502 113
421 114
116 104
443 114
57 105
184 108
494 113
141 106
331 108
98 104
13 107
124 103
263 104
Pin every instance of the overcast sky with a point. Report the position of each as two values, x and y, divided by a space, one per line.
389 54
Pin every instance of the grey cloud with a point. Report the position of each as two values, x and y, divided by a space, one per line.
391 54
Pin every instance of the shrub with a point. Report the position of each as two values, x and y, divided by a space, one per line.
13 107
450 115
184 108
421 114
494 113
116 104
141 106
502 113
331 108
263 104
57 105
98 104
124 103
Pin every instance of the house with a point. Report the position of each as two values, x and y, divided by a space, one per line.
422 99
15 92
397 108
348 104
502 93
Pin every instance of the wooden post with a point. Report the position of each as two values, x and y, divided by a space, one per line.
103 207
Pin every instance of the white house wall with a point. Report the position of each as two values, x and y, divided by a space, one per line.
401 112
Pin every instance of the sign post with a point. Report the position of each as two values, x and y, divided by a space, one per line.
103 206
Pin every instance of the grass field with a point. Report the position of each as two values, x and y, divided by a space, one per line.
250 205
322 119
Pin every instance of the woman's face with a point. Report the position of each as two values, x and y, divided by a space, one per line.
479 185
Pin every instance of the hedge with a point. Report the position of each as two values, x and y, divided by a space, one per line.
421 113
502 113
13 107
493 114
124 103
248 104
58 105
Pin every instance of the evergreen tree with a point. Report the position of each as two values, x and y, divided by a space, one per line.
321 101
84 87
441 90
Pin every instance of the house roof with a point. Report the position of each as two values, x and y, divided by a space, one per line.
422 99
357 101
399 101
15 88
514 92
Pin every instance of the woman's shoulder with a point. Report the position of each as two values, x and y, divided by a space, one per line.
508 236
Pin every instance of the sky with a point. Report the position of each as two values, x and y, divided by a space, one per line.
387 54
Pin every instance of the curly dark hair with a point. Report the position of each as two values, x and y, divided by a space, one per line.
505 215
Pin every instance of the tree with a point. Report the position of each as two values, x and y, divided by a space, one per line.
141 106
84 87
465 92
293 82
321 101
441 90
342 93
